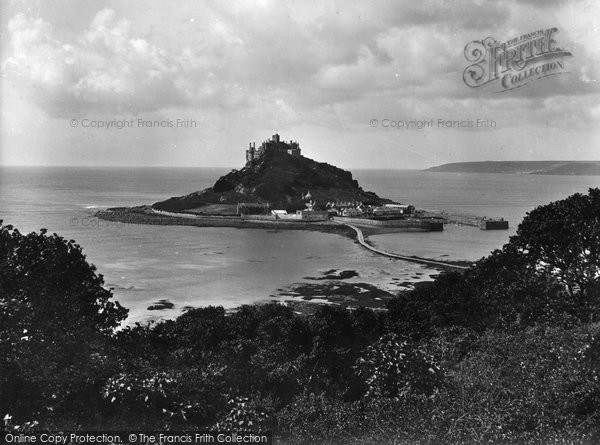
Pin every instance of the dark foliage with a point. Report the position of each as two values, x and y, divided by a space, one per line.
548 272
55 318
563 239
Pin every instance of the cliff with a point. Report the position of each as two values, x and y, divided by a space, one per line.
280 180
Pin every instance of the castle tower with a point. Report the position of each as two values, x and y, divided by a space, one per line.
251 152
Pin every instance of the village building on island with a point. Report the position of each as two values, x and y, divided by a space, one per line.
313 212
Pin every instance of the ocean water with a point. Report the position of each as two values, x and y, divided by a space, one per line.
508 196
192 266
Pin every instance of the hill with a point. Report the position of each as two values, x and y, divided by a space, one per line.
574 168
279 179
528 167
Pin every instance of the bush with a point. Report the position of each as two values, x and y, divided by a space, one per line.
56 319
393 368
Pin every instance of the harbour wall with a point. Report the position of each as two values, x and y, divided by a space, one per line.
468 220
409 224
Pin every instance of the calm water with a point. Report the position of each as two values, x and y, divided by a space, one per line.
193 266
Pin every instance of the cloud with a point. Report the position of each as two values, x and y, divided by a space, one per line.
548 3
105 69
277 61
233 53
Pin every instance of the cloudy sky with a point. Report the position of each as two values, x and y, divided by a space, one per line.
316 72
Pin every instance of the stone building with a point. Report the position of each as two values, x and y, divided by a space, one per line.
253 153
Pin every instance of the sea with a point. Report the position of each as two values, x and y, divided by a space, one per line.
196 267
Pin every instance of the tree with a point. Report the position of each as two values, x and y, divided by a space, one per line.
563 239
55 318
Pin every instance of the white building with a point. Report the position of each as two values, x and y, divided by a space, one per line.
350 211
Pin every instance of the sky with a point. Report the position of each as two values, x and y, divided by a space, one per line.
190 83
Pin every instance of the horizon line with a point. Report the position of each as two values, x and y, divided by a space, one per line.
167 166
230 167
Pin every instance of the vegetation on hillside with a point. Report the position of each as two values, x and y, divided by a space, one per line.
281 180
508 352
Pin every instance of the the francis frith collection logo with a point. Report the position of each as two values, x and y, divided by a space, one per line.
516 62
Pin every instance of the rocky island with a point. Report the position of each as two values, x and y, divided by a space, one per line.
280 188
276 176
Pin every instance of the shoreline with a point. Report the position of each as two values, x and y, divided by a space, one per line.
304 297
145 215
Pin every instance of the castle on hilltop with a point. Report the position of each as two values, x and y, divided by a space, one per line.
292 148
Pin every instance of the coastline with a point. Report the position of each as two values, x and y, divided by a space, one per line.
145 215
307 295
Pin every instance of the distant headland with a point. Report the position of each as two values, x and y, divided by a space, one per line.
573 168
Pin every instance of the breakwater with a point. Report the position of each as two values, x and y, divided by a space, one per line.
408 224
483 223
361 239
